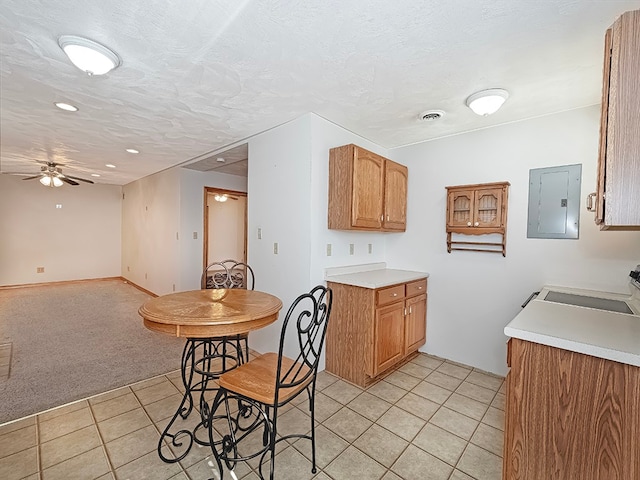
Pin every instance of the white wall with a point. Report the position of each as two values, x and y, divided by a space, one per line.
472 296
81 240
159 215
192 184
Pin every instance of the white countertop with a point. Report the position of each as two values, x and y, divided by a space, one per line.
374 275
603 334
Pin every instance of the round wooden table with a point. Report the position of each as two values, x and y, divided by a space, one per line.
210 313
211 321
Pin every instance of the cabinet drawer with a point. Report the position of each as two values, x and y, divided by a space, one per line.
389 295
417 287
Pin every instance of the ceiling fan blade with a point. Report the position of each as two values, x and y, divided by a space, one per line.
67 180
22 174
33 177
78 178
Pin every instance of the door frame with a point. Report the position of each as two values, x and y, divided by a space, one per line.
205 231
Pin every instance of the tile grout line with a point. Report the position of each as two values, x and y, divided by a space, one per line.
102 442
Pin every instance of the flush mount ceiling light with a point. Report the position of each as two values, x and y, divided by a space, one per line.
487 102
66 106
220 159
95 174
109 165
132 150
89 56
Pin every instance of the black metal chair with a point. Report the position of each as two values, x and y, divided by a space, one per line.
230 274
252 394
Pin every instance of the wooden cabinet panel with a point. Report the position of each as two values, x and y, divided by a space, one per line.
395 199
570 415
488 208
389 295
415 326
618 185
460 204
389 336
371 330
366 191
416 288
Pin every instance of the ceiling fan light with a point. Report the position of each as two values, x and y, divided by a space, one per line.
89 56
56 182
46 181
220 198
487 102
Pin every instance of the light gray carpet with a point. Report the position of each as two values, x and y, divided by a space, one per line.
71 341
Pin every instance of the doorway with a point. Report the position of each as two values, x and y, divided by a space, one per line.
225 225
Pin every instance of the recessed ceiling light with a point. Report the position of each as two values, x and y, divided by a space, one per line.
95 174
220 159
132 150
89 56
487 102
66 106
110 165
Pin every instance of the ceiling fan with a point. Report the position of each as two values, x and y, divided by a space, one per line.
51 175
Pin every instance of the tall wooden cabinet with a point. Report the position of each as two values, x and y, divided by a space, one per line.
570 416
372 330
366 191
478 209
617 204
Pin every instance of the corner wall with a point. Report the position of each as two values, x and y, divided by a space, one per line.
472 296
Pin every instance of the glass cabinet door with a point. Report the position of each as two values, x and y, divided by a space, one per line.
488 208
460 204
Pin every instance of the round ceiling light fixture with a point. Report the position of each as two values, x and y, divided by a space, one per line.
431 115
132 150
488 101
67 107
89 56
109 165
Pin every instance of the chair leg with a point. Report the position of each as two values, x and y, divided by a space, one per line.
214 407
313 429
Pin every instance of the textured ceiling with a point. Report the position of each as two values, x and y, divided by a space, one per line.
199 75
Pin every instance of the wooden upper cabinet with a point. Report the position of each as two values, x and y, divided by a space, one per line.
366 191
618 184
477 209
396 177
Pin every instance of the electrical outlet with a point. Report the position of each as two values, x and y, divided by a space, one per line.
328 249
195 235
370 248
40 270
174 287
352 249
128 268
145 276
259 233
275 248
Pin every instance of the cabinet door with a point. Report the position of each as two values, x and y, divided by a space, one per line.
488 208
622 156
395 196
460 204
388 337
368 189
415 325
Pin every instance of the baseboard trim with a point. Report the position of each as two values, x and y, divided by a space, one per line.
61 282
142 289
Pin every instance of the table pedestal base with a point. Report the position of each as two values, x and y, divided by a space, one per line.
203 361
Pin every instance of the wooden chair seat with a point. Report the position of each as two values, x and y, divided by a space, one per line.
257 379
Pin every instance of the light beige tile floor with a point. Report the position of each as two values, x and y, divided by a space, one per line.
429 419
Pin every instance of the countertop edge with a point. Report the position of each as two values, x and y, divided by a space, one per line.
379 278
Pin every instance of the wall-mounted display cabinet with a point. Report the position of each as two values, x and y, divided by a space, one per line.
478 209
617 199
366 191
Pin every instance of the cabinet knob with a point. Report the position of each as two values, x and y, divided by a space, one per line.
420 287
477 223
394 294
468 224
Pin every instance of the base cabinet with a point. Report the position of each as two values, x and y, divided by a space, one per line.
570 416
372 330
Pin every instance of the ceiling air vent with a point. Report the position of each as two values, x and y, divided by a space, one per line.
431 115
